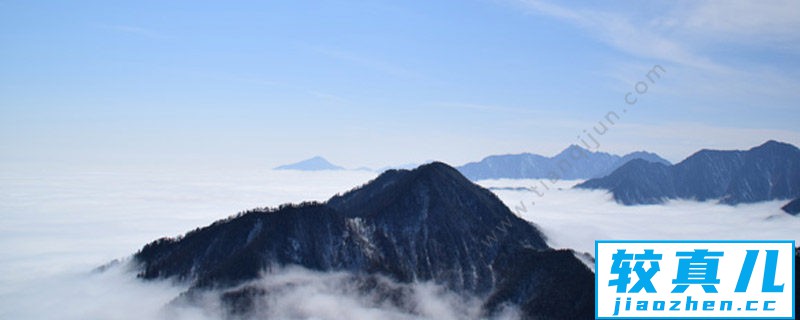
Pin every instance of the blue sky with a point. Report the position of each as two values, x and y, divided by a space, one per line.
374 83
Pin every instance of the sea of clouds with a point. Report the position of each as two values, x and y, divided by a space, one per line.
575 218
58 226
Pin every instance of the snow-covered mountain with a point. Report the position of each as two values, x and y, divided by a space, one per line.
428 224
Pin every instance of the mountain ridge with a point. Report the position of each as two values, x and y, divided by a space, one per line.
574 162
770 171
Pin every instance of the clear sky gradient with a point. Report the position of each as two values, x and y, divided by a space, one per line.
376 83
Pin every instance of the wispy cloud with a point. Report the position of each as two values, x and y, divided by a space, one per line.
771 22
622 32
680 33
699 40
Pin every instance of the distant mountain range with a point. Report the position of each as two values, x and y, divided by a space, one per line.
314 164
770 171
572 163
426 224
319 163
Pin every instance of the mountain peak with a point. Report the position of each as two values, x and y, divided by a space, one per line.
316 163
573 149
426 224
442 169
776 146
644 155
399 211
433 191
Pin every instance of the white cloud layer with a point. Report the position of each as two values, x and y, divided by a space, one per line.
575 218
296 293
58 226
